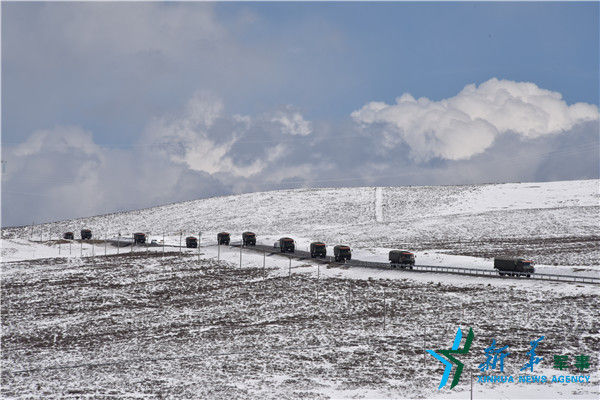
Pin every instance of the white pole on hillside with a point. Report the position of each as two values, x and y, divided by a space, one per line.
81 253
31 235
118 243
241 246
424 335
384 311
180 235
290 273
318 279
132 242
218 251
105 240
163 244
199 241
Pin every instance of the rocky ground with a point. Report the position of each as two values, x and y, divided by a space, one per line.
138 326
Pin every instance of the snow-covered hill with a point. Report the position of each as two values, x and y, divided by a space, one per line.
555 223
200 323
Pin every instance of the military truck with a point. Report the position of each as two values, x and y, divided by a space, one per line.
249 239
401 258
139 238
342 253
287 245
318 249
223 238
514 267
191 242
68 235
86 234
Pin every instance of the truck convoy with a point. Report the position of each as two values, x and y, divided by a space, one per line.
401 258
249 239
223 238
287 245
191 242
514 267
342 253
318 249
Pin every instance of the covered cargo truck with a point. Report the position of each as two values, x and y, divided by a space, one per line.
287 245
68 236
514 267
191 242
86 234
139 238
223 238
401 258
318 249
342 253
249 239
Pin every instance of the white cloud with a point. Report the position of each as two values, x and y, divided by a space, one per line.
60 139
292 122
467 124
202 151
203 137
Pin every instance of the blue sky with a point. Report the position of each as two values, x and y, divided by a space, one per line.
221 98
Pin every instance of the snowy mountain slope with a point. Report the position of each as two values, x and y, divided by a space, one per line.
201 323
552 222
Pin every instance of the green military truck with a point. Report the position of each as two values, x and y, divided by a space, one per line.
249 239
318 249
139 238
191 242
342 253
287 245
401 258
86 234
514 267
223 238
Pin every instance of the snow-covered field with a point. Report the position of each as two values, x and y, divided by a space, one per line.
80 324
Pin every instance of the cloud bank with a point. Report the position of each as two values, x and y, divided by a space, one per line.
496 132
466 125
